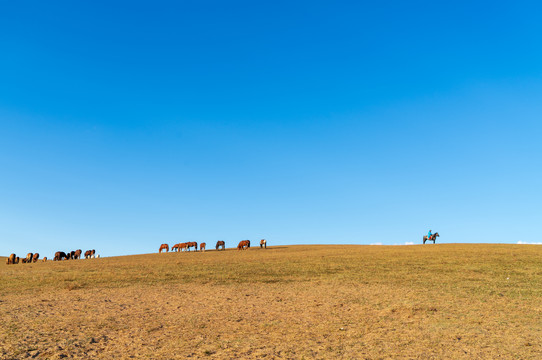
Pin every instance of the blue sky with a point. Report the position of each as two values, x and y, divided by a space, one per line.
128 125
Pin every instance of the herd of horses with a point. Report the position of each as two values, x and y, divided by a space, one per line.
243 245
59 255
90 254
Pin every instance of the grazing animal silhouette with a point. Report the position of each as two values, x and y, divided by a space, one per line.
243 245
163 247
89 254
35 257
183 246
44 259
433 238
77 254
29 258
219 244
175 247
192 244
11 259
263 243
202 246
59 255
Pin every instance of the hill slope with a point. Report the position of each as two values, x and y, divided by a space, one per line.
286 302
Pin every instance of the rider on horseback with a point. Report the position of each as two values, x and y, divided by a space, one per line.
429 235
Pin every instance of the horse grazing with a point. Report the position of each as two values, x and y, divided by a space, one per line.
77 254
11 259
175 247
35 257
183 246
59 255
243 245
89 254
29 258
219 244
432 238
263 243
44 259
192 244
68 255
163 247
202 246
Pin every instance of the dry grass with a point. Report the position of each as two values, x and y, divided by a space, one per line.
443 301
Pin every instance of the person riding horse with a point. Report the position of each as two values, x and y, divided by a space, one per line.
430 237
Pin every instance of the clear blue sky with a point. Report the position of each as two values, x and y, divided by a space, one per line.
129 125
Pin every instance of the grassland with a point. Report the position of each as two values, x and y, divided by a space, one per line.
295 302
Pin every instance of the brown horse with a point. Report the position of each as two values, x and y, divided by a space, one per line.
192 244
77 254
433 238
263 243
44 259
163 247
243 245
175 247
183 246
59 255
89 254
202 246
29 258
219 244
11 259
35 257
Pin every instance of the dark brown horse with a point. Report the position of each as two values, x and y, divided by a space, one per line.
263 243
163 247
433 238
202 246
89 254
11 259
29 258
219 244
243 245
192 244
35 257
77 254
59 255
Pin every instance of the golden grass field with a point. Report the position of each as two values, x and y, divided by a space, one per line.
287 302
